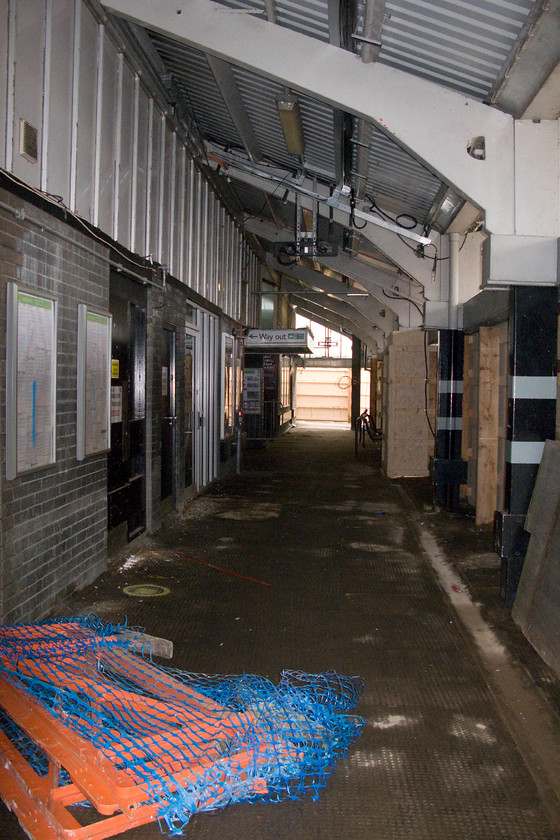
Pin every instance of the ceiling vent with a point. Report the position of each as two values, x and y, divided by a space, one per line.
28 147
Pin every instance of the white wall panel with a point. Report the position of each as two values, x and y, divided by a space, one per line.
214 243
55 176
168 197
156 169
28 83
106 134
106 148
86 100
140 173
6 59
124 180
198 234
180 192
205 286
190 218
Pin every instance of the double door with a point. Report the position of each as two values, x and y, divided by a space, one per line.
195 412
126 463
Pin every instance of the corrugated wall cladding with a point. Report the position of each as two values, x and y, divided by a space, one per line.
107 149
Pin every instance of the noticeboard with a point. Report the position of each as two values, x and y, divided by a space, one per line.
30 381
94 383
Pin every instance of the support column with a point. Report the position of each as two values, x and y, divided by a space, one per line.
448 469
532 386
356 378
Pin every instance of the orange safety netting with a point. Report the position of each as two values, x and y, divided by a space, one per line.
83 718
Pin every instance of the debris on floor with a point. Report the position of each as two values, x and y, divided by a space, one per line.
86 715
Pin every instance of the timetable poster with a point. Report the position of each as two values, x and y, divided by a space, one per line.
36 381
98 361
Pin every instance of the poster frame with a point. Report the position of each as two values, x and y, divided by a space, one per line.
85 362
14 332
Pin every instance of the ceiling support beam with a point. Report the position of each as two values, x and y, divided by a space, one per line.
336 323
225 80
378 281
333 316
433 123
389 244
365 311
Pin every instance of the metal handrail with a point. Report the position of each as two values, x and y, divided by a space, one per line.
363 425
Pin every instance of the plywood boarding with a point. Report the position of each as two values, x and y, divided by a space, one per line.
325 394
408 441
488 427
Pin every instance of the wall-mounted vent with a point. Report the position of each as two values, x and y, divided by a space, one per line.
28 146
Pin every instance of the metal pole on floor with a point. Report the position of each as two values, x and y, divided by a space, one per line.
356 379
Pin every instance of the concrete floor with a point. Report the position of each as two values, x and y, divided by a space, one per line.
462 740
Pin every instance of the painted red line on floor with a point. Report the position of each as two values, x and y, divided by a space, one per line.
220 569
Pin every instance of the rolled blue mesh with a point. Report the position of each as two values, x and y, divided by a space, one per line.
190 742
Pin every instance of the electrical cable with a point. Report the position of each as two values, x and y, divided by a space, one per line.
403 297
57 202
353 222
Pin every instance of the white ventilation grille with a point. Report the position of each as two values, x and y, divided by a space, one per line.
28 135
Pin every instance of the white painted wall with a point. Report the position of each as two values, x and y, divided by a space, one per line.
110 153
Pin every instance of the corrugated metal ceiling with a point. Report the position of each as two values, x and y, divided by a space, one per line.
463 46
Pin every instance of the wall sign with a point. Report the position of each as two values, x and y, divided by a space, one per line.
94 382
252 391
31 381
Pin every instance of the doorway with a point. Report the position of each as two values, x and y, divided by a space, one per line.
191 413
168 414
126 466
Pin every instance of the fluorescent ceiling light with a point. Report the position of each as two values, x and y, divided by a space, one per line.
288 110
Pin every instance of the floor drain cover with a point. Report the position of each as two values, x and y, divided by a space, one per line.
145 590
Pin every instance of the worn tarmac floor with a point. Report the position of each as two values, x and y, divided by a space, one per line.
347 556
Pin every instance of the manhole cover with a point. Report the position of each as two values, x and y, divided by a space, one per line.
145 590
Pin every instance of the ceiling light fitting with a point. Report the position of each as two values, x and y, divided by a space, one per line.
287 105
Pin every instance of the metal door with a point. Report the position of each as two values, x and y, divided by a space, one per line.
191 409
208 401
168 414
126 460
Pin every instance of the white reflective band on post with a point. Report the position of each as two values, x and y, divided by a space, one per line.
449 424
533 387
450 386
524 452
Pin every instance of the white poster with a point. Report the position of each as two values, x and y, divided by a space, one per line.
97 378
36 381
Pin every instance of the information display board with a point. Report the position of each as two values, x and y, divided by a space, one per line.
31 381
94 383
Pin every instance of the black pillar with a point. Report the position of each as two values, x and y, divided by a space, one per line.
448 469
532 385
356 379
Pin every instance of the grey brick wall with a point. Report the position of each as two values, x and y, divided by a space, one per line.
52 521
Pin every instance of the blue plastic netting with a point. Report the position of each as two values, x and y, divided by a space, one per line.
190 742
